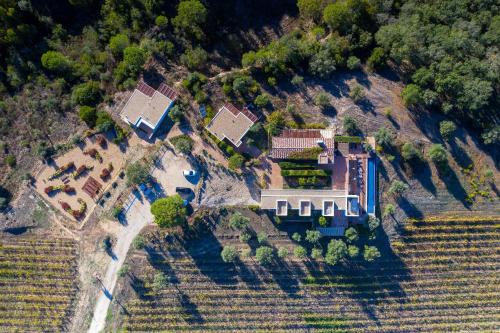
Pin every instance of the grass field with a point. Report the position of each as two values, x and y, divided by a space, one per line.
443 276
38 282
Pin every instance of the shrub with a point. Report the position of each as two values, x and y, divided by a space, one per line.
190 19
410 153
357 93
264 255
176 113
350 125
337 250
389 209
313 236
376 59
300 252
348 139
283 252
139 242
88 115
336 16
194 58
293 165
447 128
272 81
245 236
352 235
397 188
412 95
297 80
322 100
353 63
296 237
104 122
316 253
56 62
310 9
116 211
43 150
134 58
438 155
123 271
161 21
87 93
275 123
373 223
236 161
491 136
238 221
322 221
160 281
262 237
137 173
169 212
229 254
10 160
183 143
352 251
306 154
262 100
371 253
305 173
118 43
384 137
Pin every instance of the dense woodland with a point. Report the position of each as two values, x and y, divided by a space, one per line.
64 59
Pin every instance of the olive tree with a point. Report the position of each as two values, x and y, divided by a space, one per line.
229 254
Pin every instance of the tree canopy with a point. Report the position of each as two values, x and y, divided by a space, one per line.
169 212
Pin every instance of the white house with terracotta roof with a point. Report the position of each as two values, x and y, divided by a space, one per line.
231 123
147 107
352 194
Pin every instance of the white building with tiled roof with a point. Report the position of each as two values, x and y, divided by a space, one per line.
231 124
147 108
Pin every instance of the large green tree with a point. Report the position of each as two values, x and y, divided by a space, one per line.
191 19
169 212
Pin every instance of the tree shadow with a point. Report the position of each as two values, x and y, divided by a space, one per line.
453 185
460 155
409 208
366 106
421 171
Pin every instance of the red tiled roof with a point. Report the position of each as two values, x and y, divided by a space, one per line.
163 89
253 118
146 89
167 91
297 133
292 140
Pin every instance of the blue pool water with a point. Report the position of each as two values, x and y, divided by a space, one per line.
372 184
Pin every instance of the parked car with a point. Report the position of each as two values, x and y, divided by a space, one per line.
189 173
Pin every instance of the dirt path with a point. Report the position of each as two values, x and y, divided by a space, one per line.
138 216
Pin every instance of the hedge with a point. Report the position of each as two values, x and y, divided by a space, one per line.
305 173
306 154
293 165
348 139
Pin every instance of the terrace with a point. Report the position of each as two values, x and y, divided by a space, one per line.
231 124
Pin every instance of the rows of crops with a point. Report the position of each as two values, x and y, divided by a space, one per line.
444 276
37 284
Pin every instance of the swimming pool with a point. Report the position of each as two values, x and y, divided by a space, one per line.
371 188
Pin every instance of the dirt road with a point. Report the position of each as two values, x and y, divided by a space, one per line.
137 217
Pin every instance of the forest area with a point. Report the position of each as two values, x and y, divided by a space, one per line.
63 61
